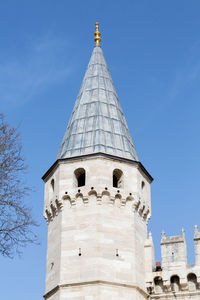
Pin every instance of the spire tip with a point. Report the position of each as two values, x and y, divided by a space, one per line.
97 34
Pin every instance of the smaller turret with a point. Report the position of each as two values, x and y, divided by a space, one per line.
175 276
197 245
174 250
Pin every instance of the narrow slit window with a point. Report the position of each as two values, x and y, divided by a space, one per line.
52 184
143 190
172 256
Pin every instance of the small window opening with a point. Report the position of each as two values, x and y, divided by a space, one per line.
80 177
81 180
192 282
115 181
143 190
158 282
52 184
172 256
117 178
52 264
175 283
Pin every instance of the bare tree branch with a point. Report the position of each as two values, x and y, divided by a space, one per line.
16 222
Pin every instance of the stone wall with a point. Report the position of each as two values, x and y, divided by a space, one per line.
176 278
96 232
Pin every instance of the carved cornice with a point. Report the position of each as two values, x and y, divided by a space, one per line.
131 201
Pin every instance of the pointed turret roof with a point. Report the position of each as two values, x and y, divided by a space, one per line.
97 122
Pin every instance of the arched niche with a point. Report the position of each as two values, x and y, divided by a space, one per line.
175 283
80 177
192 282
117 178
158 284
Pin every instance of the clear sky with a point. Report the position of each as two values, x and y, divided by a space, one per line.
152 49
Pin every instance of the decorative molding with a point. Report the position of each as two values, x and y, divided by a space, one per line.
132 203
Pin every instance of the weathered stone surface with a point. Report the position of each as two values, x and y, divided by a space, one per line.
106 225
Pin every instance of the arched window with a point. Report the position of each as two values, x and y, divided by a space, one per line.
144 190
80 177
142 185
158 282
175 283
117 178
52 184
192 282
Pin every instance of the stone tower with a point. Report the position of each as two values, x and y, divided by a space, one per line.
97 200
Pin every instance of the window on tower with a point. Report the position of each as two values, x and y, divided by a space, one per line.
172 256
51 188
158 283
80 177
192 282
52 184
143 190
117 178
175 283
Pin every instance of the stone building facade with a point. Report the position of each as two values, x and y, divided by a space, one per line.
97 205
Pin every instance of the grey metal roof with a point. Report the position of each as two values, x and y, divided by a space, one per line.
97 122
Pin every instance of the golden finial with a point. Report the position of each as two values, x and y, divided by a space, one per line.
97 34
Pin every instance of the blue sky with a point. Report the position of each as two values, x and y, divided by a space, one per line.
152 50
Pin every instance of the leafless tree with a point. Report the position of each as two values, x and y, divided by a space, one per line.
16 222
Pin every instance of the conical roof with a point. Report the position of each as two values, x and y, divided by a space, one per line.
97 123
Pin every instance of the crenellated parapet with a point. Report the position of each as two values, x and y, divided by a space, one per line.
174 276
53 209
131 202
181 283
